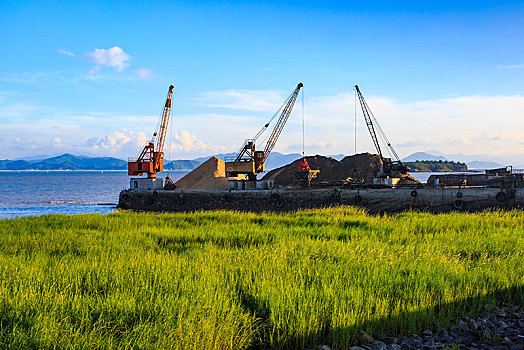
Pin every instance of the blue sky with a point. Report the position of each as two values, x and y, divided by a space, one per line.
90 77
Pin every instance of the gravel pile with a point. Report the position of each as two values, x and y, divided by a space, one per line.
500 329
362 167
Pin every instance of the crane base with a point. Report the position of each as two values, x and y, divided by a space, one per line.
239 185
146 184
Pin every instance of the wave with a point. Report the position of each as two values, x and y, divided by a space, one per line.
75 202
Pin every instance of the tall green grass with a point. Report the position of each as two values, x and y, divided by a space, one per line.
229 280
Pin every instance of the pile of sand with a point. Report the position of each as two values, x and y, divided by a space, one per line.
362 167
210 175
407 179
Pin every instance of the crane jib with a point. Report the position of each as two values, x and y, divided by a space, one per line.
164 121
369 118
277 130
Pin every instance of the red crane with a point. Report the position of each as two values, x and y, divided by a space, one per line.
151 159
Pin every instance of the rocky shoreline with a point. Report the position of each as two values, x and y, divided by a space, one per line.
502 328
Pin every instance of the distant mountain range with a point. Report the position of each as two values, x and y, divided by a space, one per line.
65 162
71 162
472 164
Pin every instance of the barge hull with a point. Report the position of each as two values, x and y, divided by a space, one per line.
374 200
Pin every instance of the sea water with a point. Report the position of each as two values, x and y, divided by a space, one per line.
29 193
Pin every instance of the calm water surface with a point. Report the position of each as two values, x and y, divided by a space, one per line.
29 193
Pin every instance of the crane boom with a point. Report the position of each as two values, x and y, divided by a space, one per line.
281 121
369 123
164 120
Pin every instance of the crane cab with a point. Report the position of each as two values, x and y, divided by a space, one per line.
260 161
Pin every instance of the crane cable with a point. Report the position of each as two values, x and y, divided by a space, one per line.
170 136
264 128
355 120
381 132
303 128
355 156
158 123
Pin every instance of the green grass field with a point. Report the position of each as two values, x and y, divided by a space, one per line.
231 280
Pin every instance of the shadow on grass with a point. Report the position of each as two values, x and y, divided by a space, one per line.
180 244
404 324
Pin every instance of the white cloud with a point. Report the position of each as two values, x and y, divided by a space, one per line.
119 142
66 53
188 142
16 110
56 142
511 66
114 57
247 100
486 124
144 73
468 124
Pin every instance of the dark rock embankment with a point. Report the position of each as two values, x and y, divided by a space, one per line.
503 329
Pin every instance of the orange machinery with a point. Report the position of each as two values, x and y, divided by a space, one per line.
151 159
304 174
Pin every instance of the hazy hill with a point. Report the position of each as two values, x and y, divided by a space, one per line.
436 166
478 164
183 165
420 156
474 161
66 162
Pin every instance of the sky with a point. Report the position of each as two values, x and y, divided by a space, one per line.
91 77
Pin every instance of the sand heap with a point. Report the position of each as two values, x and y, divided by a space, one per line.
361 167
210 175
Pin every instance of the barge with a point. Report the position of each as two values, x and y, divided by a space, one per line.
375 200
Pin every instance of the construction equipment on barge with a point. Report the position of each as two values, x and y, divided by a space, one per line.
251 162
390 167
304 174
151 159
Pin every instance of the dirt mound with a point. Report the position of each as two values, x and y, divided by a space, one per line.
362 167
329 170
210 175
